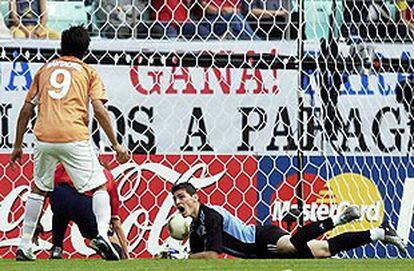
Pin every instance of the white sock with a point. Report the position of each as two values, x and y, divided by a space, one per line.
336 219
377 234
33 209
102 210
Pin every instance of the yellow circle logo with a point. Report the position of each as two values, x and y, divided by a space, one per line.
354 189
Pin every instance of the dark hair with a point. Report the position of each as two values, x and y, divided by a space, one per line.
188 187
75 42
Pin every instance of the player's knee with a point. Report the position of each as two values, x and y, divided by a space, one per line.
321 253
284 245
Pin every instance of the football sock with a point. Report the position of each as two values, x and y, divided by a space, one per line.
102 210
34 207
348 241
336 219
309 232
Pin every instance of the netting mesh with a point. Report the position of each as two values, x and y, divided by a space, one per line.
218 20
283 111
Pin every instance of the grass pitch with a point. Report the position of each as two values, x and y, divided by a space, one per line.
216 265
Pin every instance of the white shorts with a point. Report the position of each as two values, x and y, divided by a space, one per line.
78 159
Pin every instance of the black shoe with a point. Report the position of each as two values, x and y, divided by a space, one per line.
104 249
56 253
391 236
24 255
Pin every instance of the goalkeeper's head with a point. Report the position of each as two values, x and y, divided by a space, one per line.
75 42
186 199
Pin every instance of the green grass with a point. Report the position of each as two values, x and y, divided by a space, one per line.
216 265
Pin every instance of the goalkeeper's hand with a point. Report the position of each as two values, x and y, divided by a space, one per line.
171 253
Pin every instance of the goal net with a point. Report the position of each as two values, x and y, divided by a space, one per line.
283 112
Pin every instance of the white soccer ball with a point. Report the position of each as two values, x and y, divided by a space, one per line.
179 226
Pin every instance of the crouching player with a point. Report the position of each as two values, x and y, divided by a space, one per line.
214 231
68 204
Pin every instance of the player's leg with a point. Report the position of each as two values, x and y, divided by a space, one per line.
87 225
44 165
59 226
102 212
342 242
315 229
33 209
319 249
60 220
385 233
86 173
346 241
272 242
85 218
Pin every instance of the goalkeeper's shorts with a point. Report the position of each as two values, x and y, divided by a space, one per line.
266 240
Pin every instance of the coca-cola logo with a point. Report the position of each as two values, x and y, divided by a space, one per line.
134 171
146 203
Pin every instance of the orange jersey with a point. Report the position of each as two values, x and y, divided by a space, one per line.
62 89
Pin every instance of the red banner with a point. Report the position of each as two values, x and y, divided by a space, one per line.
146 203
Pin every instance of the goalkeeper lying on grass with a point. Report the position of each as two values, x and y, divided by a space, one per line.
214 231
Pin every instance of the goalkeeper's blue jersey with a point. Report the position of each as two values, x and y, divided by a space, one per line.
216 229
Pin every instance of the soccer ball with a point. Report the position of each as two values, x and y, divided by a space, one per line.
179 226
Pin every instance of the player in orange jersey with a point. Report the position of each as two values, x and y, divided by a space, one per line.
62 91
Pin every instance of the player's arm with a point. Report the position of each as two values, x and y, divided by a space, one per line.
115 219
117 226
104 121
26 113
214 239
98 96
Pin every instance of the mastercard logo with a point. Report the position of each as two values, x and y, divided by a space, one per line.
326 198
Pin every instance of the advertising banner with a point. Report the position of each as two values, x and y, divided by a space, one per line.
146 203
236 131
228 110
258 190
